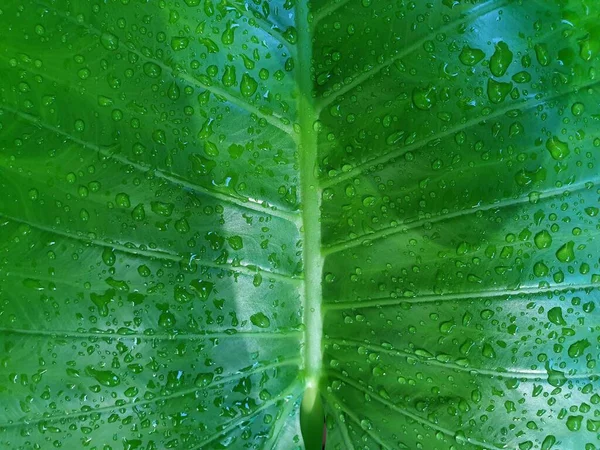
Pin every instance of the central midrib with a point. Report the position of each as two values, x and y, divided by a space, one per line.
311 415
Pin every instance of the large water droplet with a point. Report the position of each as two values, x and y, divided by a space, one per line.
501 59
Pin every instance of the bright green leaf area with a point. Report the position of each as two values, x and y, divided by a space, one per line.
226 222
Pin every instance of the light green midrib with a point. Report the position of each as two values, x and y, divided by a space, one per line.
311 413
311 200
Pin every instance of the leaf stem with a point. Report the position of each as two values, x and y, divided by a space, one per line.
312 413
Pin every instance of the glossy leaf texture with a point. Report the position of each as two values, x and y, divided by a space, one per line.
161 163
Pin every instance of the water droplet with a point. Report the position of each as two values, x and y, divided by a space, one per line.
394 138
501 59
366 424
574 423
173 92
138 213
108 256
548 442
203 288
166 320
228 37
152 70
542 239
236 242
181 295
556 378
557 148
577 349
102 300
79 125
159 136
203 379
541 53
229 77
260 320
488 351
144 270
202 165
540 269
369 200
521 77
179 43
182 225
424 98
566 253
555 316
211 149
471 56
447 327
109 41
248 85
592 211
577 109
497 91
104 377
122 200
162 208
104 101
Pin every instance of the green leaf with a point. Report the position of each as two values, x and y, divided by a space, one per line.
224 223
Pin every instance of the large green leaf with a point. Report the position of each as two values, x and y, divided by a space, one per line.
213 209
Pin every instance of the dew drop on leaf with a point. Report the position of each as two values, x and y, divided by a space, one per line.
497 91
109 41
577 109
548 442
138 213
542 54
104 377
166 320
471 56
260 320
162 208
424 98
108 256
555 316
501 59
248 85
152 70
203 288
122 200
577 349
522 77
203 379
558 149
566 253
179 43
574 423
543 239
